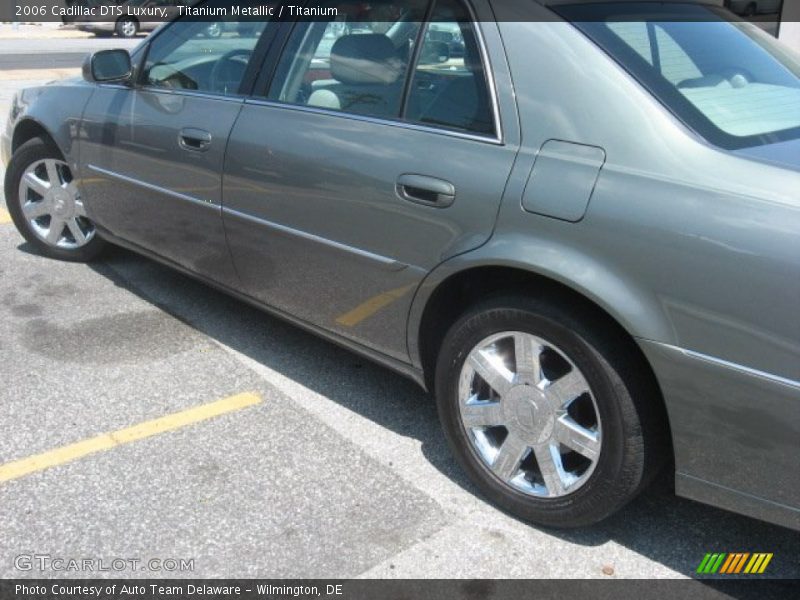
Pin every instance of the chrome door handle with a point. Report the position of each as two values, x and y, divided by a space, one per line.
194 140
423 189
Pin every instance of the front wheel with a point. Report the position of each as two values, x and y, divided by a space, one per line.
545 412
46 206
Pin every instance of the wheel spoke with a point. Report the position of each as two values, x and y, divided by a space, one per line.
564 390
34 210
72 189
76 232
549 462
80 209
482 414
552 424
509 456
56 229
577 437
52 172
31 181
492 370
527 352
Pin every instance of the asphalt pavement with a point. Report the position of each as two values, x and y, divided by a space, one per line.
335 467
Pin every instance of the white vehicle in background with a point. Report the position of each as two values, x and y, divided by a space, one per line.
128 26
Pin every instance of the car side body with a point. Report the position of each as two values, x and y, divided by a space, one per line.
591 189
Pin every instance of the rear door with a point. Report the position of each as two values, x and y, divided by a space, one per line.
376 152
152 152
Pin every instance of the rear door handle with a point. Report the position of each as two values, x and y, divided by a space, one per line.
423 189
194 140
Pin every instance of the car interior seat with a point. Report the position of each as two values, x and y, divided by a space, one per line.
367 76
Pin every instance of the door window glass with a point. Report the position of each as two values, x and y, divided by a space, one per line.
203 56
449 86
356 63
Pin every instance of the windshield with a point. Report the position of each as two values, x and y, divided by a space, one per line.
728 80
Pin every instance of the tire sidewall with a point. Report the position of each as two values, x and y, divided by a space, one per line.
615 476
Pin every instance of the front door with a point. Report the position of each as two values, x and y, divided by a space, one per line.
375 154
152 153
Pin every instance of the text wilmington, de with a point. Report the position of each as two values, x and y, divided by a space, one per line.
258 11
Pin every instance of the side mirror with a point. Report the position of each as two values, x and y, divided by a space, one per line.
108 66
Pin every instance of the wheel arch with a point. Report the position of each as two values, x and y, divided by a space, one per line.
28 129
450 290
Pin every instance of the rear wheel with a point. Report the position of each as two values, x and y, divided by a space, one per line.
546 412
46 206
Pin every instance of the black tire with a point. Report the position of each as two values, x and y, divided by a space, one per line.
30 152
634 442
123 27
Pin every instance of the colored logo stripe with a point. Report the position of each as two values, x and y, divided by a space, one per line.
734 563
710 563
759 562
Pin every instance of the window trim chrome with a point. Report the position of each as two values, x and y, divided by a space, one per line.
376 120
489 70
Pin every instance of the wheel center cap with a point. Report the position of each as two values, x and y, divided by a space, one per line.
528 413
62 204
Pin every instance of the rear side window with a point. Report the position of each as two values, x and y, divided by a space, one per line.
379 59
449 86
728 80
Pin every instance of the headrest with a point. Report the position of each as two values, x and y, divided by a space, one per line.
365 58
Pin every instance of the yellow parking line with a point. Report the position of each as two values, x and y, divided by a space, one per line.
4 216
371 306
106 441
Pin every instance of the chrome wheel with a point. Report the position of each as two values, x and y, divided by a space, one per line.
529 414
52 206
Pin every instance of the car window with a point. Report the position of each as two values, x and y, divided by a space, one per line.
356 63
728 80
203 56
652 42
449 86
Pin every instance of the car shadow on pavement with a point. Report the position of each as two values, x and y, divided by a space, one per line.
658 525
